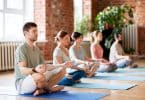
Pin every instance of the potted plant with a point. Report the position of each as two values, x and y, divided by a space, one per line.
115 16
84 27
111 21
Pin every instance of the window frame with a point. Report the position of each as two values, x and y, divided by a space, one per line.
7 10
76 11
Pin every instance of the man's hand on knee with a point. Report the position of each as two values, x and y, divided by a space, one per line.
41 68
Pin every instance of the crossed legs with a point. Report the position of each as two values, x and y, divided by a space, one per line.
44 86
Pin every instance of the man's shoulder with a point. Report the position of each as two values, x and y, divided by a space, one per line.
22 46
37 48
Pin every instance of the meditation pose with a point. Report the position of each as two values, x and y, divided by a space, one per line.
77 54
61 55
97 53
118 56
32 74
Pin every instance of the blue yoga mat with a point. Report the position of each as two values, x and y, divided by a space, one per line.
125 78
105 86
62 95
139 68
131 69
122 71
138 73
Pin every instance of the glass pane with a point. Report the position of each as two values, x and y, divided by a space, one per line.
15 4
13 27
1 4
78 7
1 25
29 10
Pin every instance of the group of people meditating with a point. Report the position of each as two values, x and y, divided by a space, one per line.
33 75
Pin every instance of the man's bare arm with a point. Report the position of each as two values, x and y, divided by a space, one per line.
24 69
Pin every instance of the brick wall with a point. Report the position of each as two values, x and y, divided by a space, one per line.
39 14
53 16
40 19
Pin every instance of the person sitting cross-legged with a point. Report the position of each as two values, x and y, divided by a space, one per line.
77 54
32 74
118 56
97 53
61 55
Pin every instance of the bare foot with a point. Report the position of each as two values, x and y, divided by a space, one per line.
92 72
56 88
38 92
133 66
90 75
78 81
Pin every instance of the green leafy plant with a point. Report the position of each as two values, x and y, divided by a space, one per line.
116 16
83 26
129 50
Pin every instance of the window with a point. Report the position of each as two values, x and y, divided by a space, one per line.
1 18
78 12
13 15
78 9
13 25
15 4
1 25
1 4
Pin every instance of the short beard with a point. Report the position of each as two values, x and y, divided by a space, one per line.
33 40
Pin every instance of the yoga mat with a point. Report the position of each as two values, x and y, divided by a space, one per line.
127 71
132 69
139 68
125 78
105 86
138 73
62 95
124 72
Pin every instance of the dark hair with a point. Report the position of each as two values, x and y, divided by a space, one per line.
28 26
60 35
116 35
76 35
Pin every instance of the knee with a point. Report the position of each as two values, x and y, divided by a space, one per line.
82 73
66 82
62 72
121 65
38 77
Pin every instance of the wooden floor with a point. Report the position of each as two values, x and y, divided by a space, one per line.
136 93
